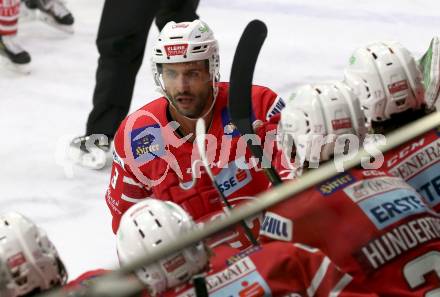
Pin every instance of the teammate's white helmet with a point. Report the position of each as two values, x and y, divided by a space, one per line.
29 260
149 225
315 112
386 78
186 42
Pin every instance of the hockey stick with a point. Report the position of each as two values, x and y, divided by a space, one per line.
201 140
240 98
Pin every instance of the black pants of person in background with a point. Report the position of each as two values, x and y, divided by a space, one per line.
121 41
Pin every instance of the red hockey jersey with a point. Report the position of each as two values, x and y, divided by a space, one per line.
293 270
151 161
418 162
373 226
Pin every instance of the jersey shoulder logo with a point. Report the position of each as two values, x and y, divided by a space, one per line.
275 108
147 143
336 183
277 227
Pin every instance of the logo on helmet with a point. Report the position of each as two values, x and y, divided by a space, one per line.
397 87
352 60
174 263
176 49
180 25
203 29
16 260
344 123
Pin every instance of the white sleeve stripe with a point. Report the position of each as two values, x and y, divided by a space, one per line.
133 200
9 27
131 181
306 248
345 280
319 276
9 18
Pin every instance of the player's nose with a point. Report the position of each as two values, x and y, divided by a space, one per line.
182 83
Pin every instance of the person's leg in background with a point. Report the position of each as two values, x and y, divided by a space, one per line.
9 47
53 12
121 40
176 10
121 45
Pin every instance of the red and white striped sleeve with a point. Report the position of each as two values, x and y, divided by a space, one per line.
9 13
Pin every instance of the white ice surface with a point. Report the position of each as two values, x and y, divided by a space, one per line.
308 41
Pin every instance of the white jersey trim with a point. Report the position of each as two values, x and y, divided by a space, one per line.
131 181
319 276
345 280
9 27
9 18
133 200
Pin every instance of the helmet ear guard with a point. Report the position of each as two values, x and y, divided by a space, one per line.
146 227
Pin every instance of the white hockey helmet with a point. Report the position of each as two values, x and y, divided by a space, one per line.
186 42
30 261
313 114
386 78
146 227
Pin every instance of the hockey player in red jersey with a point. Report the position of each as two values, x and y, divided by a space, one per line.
154 155
29 262
293 269
388 82
53 12
9 47
373 226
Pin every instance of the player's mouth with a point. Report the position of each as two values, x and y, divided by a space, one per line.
185 101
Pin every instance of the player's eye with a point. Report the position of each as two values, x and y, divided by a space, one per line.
170 74
194 74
